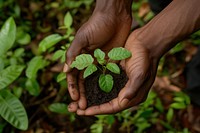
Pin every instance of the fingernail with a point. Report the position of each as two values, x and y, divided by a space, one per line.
66 68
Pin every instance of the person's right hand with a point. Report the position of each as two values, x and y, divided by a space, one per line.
103 30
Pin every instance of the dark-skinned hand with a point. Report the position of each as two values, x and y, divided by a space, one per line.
103 31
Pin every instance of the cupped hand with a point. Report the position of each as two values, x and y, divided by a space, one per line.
103 31
141 70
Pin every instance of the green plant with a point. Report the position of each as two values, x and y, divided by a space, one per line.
105 80
11 109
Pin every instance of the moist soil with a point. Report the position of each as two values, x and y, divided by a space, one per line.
95 96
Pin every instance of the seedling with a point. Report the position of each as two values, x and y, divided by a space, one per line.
105 80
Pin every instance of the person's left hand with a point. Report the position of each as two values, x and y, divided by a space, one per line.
141 70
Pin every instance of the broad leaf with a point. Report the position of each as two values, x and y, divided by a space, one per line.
170 115
82 61
113 68
34 65
12 110
58 108
49 42
178 105
68 20
89 70
100 55
33 87
7 35
58 54
119 53
106 82
8 75
61 76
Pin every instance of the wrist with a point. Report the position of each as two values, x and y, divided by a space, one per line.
117 7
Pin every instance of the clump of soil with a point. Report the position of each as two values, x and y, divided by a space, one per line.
95 96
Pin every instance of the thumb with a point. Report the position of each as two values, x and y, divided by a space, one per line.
74 50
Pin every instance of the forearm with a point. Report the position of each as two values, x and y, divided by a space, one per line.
174 23
113 6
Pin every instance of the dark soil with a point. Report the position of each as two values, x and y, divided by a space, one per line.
95 96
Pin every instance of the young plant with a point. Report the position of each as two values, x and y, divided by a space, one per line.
105 80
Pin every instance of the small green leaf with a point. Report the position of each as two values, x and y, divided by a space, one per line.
8 75
100 55
49 42
178 105
170 115
60 108
33 87
68 20
119 53
106 82
82 61
113 68
22 37
7 35
34 65
61 77
12 110
89 70
58 54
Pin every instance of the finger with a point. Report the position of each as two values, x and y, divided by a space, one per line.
82 103
106 108
72 107
72 85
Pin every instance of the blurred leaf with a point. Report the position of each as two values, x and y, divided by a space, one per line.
170 115
179 47
68 20
61 76
7 35
58 54
34 65
178 105
33 87
22 37
49 42
12 110
8 75
18 52
60 108
159 105
17 91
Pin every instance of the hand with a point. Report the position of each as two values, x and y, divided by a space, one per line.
103 31
141 70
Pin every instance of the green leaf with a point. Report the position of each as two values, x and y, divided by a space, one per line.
119 53
82 61
49 42
113 68
106 82
61 76
100 55
12 110
178 105
170 115
60 108
89 70
8 75
22 37
68 20
58 54
7 35
34 65
33 87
